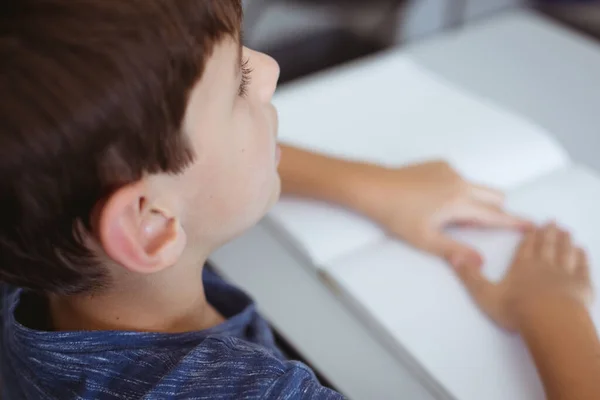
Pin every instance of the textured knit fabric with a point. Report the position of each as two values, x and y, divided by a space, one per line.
235 360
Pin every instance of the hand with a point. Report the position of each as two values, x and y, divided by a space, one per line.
546 266
417 202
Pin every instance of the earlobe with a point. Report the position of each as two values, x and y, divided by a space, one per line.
137 236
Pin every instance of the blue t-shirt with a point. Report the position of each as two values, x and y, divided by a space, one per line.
235 360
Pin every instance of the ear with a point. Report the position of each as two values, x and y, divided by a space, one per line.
136 235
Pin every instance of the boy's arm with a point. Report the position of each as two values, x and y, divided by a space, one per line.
414 203
543 296
312 175
563 342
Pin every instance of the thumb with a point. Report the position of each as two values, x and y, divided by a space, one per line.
455 253
476 284
485 294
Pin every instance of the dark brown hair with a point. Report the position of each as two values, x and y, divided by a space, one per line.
92 96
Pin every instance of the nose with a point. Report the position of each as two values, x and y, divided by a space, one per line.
266 72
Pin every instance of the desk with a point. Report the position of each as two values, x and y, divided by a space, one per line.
517 59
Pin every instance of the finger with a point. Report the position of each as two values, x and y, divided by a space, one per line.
565 252
548 243
527 246
487 295
486 195
582 269
456 253
490 216
582 272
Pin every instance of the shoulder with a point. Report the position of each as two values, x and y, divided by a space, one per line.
226 367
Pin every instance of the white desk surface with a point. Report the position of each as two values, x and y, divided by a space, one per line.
517 59
535 68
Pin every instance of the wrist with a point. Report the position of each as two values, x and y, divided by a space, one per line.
531 310
364 189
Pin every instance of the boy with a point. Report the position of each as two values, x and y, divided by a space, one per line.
137 136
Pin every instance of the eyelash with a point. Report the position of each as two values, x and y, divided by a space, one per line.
246 78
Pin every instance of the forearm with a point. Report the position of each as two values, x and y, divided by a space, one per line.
312 175
563 342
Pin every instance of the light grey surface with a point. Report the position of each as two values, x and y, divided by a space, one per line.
550 75
543 73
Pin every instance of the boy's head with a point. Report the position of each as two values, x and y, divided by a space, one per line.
134 135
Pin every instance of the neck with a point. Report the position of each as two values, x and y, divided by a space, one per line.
171 301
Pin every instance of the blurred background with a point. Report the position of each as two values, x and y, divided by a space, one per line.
306 36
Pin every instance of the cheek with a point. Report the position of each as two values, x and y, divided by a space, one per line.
259 156
248 183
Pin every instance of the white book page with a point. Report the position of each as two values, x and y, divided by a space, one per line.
391 111
416 303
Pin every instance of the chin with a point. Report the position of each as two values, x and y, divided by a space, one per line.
252 215
272 199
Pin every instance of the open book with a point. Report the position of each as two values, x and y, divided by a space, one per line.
410 299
